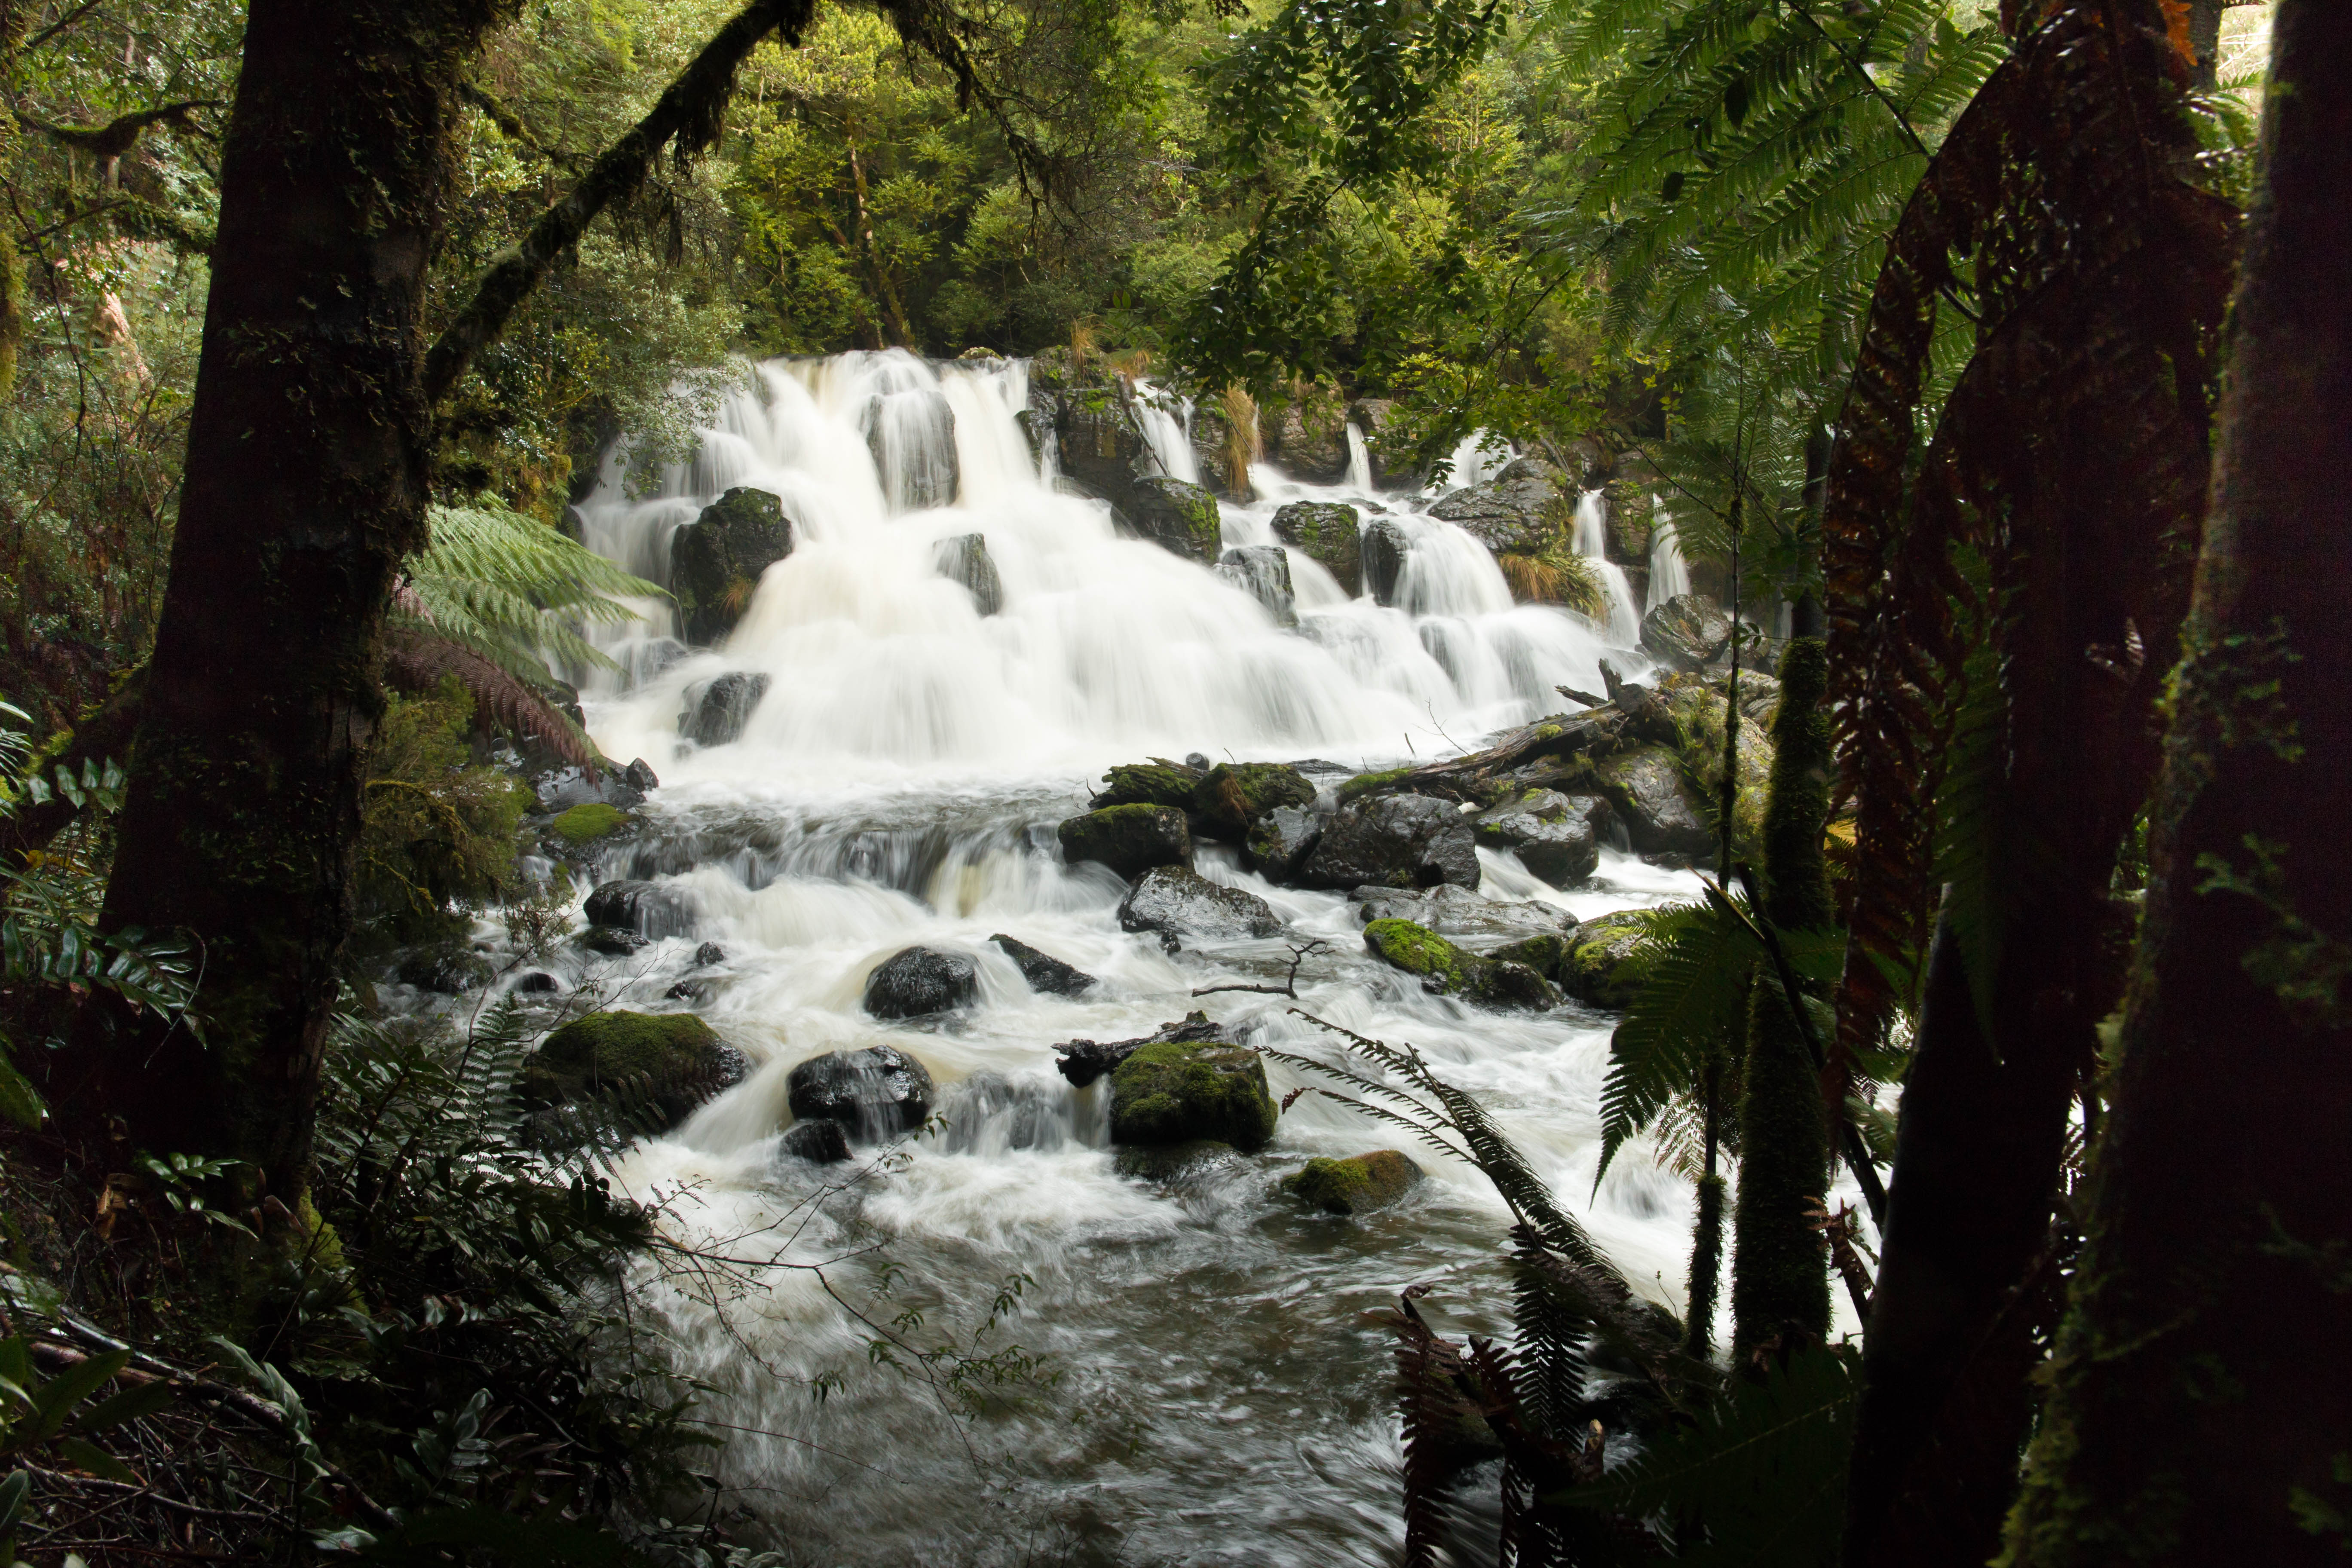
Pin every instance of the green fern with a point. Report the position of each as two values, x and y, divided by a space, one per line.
514 591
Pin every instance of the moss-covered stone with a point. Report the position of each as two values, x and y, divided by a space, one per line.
716 561
1599 966
1355 1186
1236 795
1329 533
1129 839
1177 1092
586 824
1447 970
1365 784
1176 515
1546 955
677 1053
1156 782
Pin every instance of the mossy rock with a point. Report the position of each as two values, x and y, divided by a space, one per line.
1598 967
1365 784
1176 515
1329 533
1234 795
586 824
1129 839
1546 955
1357 1184
1156 782
1446 970
1178 1092
674 1059
716 560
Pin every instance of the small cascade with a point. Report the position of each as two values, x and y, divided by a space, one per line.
1167 431
1624 617
1472 466
1359 462
1669 576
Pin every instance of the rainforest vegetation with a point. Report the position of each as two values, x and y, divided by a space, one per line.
1987 362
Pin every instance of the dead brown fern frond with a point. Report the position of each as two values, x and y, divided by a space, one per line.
1555 575
1243 446
416 662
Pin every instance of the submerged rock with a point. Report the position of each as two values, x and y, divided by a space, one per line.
648 908
1234 795
1329 533
878 1092
1384 550
715 562
916 981
989 1113
1176 902
1156 782
1394 841
911 437
819 1142
1042 971
965 559
1555 836
1357 1184
1459 912
1174 514
1516 513
671 1062
1598 967
1129 839
1083 1062
1280 841
1175 1092
1263 572
1447 970
1652 798
612 941
1174 1164
452 974
1687 632
717 710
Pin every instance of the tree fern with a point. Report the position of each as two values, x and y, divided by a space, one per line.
514 591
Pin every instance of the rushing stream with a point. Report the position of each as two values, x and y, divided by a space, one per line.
1221 1396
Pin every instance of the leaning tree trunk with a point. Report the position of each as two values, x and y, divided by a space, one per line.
2198 1411
306 483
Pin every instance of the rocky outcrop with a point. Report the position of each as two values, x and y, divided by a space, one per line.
1688 631
1446 969
1156 782
1464 915
1329 533
648 908
878 1092
1175 1092
715 562
1555 836
671 1062
1180 904
1279 843
1384 550
1083 1062
1306 434
715 710
1393 841
561 789
911 436
1522 509
1176 516
1129 839
1599 966
1263 572
1656 803
964 558
1357 1184
1083 413
918 980
1232 796
1042 971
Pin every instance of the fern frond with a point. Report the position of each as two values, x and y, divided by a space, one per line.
416 661
513 590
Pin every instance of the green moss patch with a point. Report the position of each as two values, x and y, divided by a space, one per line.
1598 967
672 1051
1365 784
1176 1093
1236 795
1355 1186
1156 782
1442 966
586 824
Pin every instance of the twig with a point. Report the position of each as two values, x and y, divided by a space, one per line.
1300 953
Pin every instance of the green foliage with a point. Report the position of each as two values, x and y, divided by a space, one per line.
437 836
512 590
52 1420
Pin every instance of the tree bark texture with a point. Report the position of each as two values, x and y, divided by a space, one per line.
306 483
2198 1411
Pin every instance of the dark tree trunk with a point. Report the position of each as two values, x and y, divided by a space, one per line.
2199 1412
306 483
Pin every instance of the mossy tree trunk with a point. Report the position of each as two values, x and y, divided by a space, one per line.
2199 1407
1779 1272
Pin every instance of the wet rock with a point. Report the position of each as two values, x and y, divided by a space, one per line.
1174 1092
539 983
1357 1184
452 974
1522 509
965 559
1083 1062
639 775
1445 968
1546 954
1084 413
1129 839
669 1062
1280 841
1175 515
1156 782
1042 971
1177 1164
911 437
989 1113
1687 632
1384 550
1464 915
717 710
1263 572
1329 533
1598 967
1307 435
819 1142
878 1092
649 909
1554 836
1233 796
716 561
1375 416
688 991
1652 798
1394 841
612 941
918 980
708 953
1179 903
1198 761
561 789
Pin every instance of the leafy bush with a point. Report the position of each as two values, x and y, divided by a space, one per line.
437 836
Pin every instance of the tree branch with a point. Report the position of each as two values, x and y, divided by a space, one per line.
119 135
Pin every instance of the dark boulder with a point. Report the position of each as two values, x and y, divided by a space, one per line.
1385 548
612 941
1394 841
649 909
1330 534
1234 795
878 1092
1522 509
1687 632
1083 1062
1129 839
1263 572
1306 434
1661 812
1084 415
916 981
670 1062
1156 782
1180 903
1557 836
1177 1092
819 1142
717 710
538 982
716 561
965 559
1461 913
1174 514
1600 967
1357 1184
708 953
1042 971
1280 841
452 974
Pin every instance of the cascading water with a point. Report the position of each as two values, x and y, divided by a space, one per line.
1592 543
1167 425
898 784
1669 576
1359 462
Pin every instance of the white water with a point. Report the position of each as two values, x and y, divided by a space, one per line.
1669 576
1221 1398
1592 543
1167 431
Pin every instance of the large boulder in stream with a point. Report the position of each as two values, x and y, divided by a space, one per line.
1393 841
1177 1091
1446 969
1156 782
1279 842
1084 414
715 710
1557 836
1688 631
665 1062
1179 903
964 558
1598 967
647 908
715 560
1263 572
1042 971
1661 812
1357 1184
1129 839
1083 1061
1466 916
1231 798
1329 533
1174 514
917 982
878 1092
1385 548
1523 507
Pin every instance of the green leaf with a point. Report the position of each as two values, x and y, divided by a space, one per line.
20 1102
90 1459
139 1399
13 1492
56 1399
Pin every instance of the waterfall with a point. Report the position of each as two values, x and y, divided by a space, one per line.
1168 432
1473 467
1669 576
1359 462
1624 618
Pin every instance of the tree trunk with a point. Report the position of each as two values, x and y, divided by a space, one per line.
2199 1410
305 482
